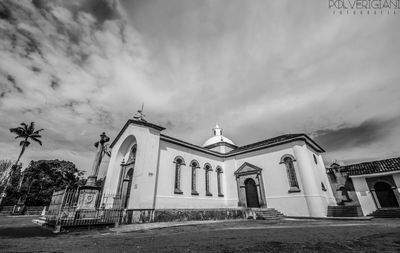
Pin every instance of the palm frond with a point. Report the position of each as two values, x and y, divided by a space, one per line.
37 140
24 125
32 127
35 135
17 130
37 131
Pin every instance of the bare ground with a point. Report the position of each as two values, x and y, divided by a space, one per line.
18 234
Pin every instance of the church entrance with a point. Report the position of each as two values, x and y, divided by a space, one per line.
250 186
126 188
251 193
126 179
385 195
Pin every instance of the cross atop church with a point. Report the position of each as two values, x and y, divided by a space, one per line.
140 115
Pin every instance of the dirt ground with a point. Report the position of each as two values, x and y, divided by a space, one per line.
18 234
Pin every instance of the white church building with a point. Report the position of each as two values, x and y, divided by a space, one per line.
152 171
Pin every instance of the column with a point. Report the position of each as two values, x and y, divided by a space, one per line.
310 184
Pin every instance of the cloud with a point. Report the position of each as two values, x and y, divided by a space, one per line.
346 137
61 64
258 68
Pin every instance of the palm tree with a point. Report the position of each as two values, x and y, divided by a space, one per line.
27 133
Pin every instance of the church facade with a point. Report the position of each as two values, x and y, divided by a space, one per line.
152 171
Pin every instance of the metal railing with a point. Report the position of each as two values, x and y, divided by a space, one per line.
63 210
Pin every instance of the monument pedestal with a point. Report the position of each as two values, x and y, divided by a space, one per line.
88 197
87 202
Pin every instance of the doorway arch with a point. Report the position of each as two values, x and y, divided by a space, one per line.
251 193
126 177
126 188
385 195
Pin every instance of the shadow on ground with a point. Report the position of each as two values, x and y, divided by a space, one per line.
21 232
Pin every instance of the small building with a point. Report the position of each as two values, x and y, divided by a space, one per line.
377 184
152 171
369 185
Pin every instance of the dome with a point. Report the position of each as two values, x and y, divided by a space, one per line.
217 138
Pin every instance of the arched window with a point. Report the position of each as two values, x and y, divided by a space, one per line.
132 155
219 181
291 172
207 169
178 164
195 166
315 159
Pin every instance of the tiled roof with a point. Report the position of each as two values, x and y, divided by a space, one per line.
387 165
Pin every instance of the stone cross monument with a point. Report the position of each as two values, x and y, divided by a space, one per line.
89 193
101 150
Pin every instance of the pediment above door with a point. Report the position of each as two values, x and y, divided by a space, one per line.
247 168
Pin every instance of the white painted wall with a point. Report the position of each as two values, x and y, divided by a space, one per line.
274 176
396 178
154 176
275 179
166 198
144 176
364 195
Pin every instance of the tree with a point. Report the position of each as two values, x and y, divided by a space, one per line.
5 166
45 176
10 185
27 133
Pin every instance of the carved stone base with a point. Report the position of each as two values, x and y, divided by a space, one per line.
88 196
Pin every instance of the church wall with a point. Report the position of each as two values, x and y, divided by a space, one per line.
275 179
317 199
143 184
364 195
321 177
167 199
153 185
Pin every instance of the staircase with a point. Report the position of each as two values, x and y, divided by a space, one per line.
344 211
386 213
268 214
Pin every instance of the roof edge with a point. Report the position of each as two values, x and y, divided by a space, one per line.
136 122
234 152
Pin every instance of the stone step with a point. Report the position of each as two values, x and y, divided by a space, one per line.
268 214
344 211
386 213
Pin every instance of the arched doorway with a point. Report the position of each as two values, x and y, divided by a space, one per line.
126 178
251 193
385 195
126 188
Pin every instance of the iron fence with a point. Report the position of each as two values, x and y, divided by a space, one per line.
64 211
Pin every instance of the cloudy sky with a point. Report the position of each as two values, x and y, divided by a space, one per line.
257 68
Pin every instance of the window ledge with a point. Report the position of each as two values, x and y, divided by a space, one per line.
294 189
195 193
208 194
220 195
178 191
